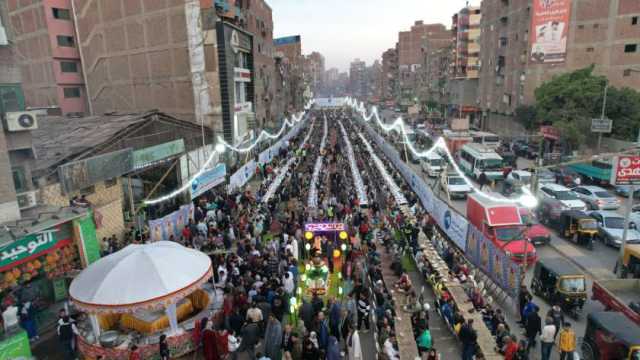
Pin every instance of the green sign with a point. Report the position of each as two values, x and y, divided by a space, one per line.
86 230
148 156
59 289
16 347
33 245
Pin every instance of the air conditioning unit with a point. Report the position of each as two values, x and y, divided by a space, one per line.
22 120
27 200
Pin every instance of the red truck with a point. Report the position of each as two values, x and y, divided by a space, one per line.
621 295
501 222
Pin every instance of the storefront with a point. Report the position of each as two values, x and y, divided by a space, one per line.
39 266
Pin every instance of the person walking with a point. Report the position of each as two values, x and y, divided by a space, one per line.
547 339
250 337
67 332
567 342
363 311
273 338
533 328
555 313
468 336
482 180
164 347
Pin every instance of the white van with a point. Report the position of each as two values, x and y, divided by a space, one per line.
433 164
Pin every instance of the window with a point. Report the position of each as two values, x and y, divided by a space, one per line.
66 41
11 98
110 182
626 72
19 182
595 26
630 48
590 49
580 27
62 14
634 20
72 92
69 66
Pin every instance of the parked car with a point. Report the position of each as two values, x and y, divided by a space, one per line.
545 176
555 199
565 176
597 198
623 190
537 233
634 217
518 178
611 227
455 186
520 147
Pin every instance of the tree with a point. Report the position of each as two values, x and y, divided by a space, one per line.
526 116
571 100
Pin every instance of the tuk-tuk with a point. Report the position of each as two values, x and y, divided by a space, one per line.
559 282
610 336
578 227
630 262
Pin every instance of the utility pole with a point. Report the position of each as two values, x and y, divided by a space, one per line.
604 108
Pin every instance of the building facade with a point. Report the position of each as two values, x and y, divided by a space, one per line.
389 74
314 68
48 53
358 78
289 48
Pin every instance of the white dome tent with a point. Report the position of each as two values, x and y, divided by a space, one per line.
150 276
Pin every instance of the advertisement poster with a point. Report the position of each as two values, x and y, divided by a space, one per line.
208 180
493 261
172 224
242 176
626 170
549 30
452 223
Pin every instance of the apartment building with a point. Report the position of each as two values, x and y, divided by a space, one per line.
47 50
526 42
389 74
358 79
314 68
289 48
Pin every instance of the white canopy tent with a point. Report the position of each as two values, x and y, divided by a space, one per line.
150 276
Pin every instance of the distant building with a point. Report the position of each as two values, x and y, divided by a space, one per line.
389 74
290 50
358 78
314 67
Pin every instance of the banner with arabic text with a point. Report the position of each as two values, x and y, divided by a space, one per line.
172 224
35 245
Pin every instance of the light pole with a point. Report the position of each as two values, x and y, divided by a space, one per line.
604 108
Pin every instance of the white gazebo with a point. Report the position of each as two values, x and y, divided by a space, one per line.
140 277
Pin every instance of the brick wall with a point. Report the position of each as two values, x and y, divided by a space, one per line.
108 202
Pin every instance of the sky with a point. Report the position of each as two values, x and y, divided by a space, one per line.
343 30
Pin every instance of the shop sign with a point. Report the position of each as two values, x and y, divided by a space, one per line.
84 173
601 125
149 156
626 170
33 246
241 74
549 132
16 347
85 231
208 180
324 227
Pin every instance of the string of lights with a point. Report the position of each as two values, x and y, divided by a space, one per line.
220 148
526 199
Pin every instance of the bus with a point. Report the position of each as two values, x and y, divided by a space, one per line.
476 158
490 140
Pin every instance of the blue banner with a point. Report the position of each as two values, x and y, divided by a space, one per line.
172 224
208 180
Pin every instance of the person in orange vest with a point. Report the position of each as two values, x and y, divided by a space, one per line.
566 342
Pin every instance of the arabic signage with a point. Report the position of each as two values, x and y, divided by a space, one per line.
493 261
151 155
323 227
208 180
626 170
85 232
34 245
549 132
601 125
549 30
16 347
84 173
172 224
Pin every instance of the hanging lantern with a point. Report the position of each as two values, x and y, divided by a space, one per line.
308 235
343 235
307 267
343 247
307 246
336 253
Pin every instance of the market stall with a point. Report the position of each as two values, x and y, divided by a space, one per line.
139 293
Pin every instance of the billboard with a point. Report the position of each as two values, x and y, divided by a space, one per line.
626 170
81 174
208 180
549 31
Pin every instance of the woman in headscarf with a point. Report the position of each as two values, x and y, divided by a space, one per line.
273 338
333 349
209 343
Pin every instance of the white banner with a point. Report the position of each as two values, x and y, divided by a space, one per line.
242 176
451 222
395 189
312 201
355 173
